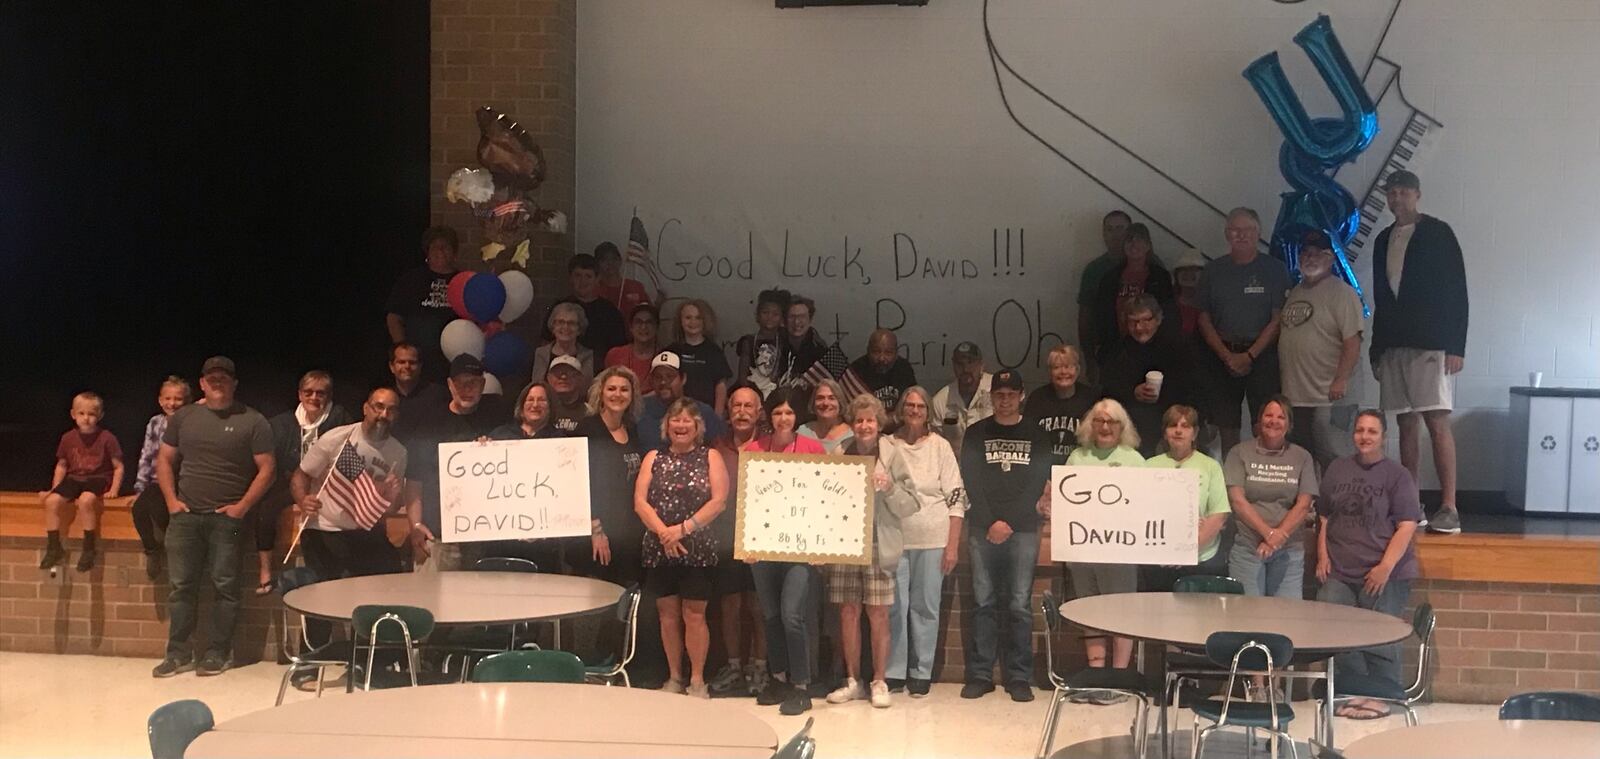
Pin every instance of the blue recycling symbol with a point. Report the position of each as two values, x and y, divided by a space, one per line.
1592 444
1548 443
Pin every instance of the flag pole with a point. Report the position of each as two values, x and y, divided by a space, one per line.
301 527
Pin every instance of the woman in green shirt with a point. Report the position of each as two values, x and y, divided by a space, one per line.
1106 437
1180 424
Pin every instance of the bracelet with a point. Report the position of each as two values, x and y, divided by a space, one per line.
692 525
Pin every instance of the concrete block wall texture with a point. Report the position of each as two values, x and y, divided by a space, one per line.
519 56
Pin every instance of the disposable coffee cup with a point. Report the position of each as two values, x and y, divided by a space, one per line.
1535 379
1153 379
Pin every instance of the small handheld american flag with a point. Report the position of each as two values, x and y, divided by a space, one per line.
351 489
835 365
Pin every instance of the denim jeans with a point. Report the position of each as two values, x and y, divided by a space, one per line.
918 584
788 607
1378 661
1282 574
197 543
1002 582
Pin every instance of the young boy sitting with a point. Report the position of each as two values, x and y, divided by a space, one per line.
150 507
88 467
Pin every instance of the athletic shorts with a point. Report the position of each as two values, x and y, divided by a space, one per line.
688 583
864 584
1413 380
72 487
732 577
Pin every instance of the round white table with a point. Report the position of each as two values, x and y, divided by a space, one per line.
1187 619
496 720
1483 739
460 598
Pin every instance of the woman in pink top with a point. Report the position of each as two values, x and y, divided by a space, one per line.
785 587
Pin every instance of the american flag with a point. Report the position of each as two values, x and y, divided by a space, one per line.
351 488
835 365
638 242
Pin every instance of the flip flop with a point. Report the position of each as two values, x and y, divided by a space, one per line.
1361 713
264 588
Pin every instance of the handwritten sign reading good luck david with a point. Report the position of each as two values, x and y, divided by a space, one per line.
514 489
804 507
1124 515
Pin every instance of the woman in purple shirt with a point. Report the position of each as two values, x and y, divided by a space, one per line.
1365 558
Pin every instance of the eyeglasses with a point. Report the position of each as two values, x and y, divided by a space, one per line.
565 322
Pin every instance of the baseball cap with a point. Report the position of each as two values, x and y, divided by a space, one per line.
1191 259
1316 238
1006 379
1402 178
570 362
967 349
218 364
666 358
466 363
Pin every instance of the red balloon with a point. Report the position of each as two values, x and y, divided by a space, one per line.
456 294
493 327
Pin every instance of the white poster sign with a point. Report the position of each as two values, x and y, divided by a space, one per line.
514 489
804 507
1124 515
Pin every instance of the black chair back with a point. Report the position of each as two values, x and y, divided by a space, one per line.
1222 647
1555 705
174 726
505 564
1208 584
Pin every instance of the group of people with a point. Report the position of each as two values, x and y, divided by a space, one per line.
967 465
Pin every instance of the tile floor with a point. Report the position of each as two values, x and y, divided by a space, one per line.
91 706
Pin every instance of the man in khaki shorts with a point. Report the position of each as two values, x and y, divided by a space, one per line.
1419 333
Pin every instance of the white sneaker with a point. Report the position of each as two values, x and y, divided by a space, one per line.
880 694
852 690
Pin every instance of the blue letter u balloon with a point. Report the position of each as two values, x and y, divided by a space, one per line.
1359 116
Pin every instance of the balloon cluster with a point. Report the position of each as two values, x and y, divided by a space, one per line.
486 304
1312 148
502 192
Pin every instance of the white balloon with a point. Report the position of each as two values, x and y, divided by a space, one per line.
461 336
491 385
519 295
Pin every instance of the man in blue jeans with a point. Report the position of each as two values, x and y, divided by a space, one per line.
215 464
1005 464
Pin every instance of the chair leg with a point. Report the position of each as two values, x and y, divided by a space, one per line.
283 687
322 674
1249 742
411 664
1047 735
1141 734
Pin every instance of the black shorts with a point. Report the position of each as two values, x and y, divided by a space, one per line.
733 576
688 583
72 487
1256 387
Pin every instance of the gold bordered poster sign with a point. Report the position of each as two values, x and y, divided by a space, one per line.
804 507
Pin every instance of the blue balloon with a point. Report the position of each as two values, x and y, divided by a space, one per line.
484 296
1358 122
505 354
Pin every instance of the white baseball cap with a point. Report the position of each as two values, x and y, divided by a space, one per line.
666 358
569 361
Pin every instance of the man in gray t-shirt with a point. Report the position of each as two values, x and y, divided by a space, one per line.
215 464
1265 483
1318 350
1240 297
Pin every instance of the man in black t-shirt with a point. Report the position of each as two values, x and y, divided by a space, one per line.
468 416
418 307
883 370
416 393
606 328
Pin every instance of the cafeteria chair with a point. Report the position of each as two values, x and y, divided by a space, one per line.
487 639
1378 689
1130 682
529 667
1189 668
1577 707
303 656
174 726
1250 653
504 564
616 666
801 746
1319 751
375 626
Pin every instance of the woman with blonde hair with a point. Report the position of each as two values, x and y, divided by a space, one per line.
1105 438
704 365
614 458
932 540
681 488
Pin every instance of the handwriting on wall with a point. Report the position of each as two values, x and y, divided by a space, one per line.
862 283
1124 515
514 489
804 507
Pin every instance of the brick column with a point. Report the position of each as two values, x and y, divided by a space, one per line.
519 56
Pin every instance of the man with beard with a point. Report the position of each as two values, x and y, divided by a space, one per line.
468 416
1319 346
569 394
666 384
1148 348
884 372
964 401
734 586
335 546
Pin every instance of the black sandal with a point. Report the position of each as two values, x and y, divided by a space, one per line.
264 588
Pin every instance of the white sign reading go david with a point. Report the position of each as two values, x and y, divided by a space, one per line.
1124 515
514 489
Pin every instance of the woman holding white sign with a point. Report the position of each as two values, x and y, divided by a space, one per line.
1270 484
788 605
932 538
1181 423
1106 438
681 488
872 585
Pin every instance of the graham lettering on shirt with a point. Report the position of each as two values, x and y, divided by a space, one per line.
1007 453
